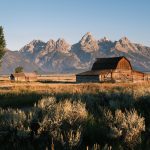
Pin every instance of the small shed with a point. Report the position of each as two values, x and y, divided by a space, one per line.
114 69
23 76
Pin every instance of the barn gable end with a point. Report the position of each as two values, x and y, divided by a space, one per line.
124 63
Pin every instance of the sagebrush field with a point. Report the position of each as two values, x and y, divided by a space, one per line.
69 115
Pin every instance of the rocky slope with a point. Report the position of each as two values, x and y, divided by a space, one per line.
59 56
13 59
53 56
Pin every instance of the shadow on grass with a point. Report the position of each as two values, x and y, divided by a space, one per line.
111 99
67 82
20 100
92 100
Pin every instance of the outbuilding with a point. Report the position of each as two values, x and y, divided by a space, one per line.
23 76
114 69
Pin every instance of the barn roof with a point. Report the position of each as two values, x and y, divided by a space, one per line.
107 63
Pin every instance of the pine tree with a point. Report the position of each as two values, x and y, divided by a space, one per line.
2 43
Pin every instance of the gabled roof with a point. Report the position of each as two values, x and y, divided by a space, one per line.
107 63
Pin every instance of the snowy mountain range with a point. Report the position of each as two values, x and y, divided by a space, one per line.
61 57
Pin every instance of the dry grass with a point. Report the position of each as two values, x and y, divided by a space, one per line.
24 94
66 84
57 78
74 104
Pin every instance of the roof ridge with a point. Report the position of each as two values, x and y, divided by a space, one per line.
110 57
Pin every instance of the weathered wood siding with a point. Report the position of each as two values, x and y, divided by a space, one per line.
86 78
120 75
25 78
105 77
147 77
138 76
124 64
20 78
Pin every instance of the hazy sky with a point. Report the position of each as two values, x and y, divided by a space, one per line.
25 20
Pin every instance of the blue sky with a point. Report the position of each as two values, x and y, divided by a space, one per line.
25 20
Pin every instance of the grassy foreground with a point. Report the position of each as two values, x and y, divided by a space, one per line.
26 94
100 116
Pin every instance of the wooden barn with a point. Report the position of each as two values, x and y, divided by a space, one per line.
23 77
115 69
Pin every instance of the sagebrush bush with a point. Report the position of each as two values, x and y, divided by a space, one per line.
125 126
63 120
14 120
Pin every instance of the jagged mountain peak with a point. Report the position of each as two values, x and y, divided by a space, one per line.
87 37
89 43
51 41
61 39
50 46
59 45
124 40
125 45
104 39
88 33
33 46
62 45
